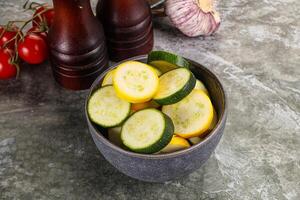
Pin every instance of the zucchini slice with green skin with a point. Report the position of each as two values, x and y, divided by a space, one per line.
147 131
165 61
174 86
106 109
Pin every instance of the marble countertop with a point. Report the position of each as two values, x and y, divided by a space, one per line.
46 151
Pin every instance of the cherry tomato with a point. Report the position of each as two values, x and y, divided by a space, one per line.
33 49
7 35
7 69
46 17
38 31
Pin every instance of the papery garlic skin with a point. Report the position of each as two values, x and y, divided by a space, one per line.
191 19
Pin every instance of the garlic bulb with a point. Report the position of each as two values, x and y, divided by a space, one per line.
193 17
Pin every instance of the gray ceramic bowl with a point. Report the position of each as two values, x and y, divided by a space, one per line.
165 167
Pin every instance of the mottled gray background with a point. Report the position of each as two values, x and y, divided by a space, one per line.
46 151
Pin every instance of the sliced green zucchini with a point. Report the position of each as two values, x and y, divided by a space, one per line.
165 61
106 109
147 131
174 86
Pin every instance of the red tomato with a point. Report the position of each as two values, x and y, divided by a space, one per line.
7 35
46 17
38 31
33 49
7 69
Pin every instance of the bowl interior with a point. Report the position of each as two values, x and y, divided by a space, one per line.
212 83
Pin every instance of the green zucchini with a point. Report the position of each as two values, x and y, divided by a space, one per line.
174 86
106 109
165 61
147 131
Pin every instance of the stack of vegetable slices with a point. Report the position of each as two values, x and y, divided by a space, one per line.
158 107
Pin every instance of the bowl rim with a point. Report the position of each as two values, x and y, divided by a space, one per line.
222 117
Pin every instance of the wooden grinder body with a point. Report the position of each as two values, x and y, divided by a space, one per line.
78 52
128 27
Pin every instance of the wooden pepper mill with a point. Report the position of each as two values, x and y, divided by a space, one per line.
127 26
78 52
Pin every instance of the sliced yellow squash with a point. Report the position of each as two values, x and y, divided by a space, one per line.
157 71
135 82
196 140
201 86
114 135
214 121
177 143
191 116
140 106
108 79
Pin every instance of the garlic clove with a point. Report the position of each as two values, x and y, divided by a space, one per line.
193 17
216 16
205 5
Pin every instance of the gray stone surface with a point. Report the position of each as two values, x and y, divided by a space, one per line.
46 151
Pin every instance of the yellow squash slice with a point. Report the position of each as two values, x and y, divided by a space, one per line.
191 116
196 140
140 106
108 79
177 143
201 86
135 82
